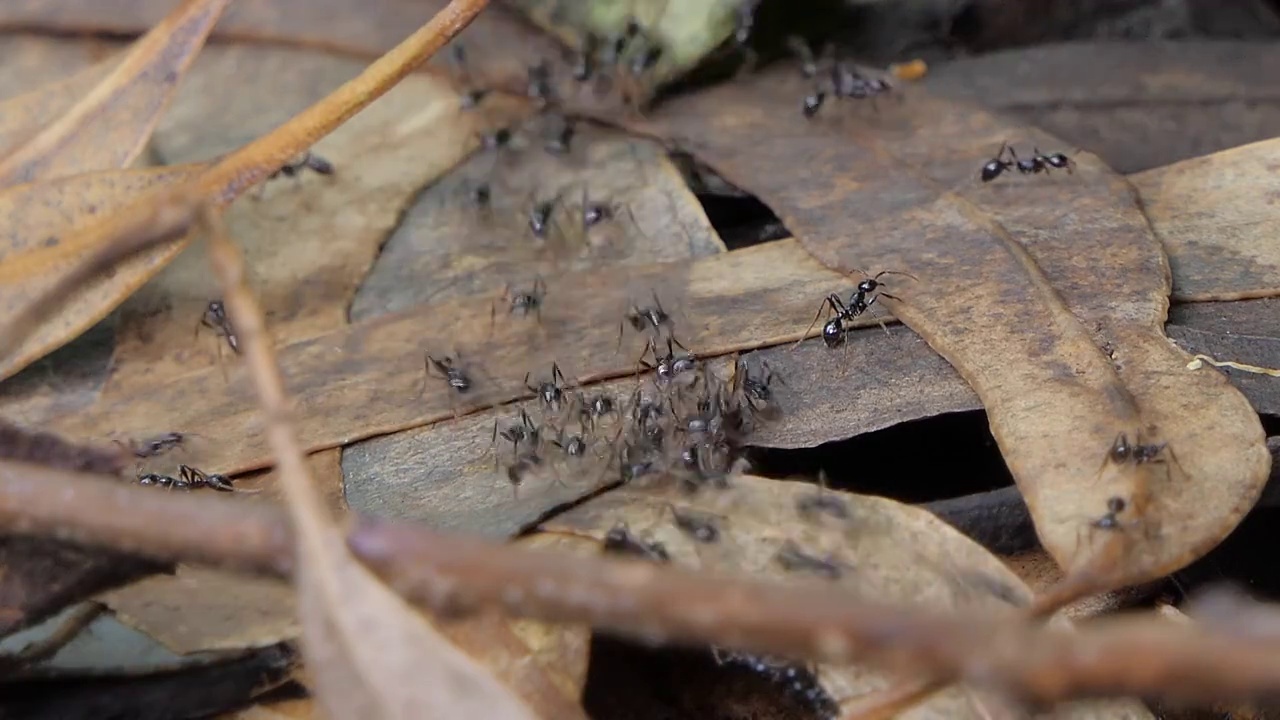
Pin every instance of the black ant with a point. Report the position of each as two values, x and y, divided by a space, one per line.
482 195
849 83
589 410
646 59
756 391
696 525
523 432
540 216
539 85
560 143
197 479
450 370
1123 451
522 302
863 297
670 366
1030 166
496 139
793 559
996 165
1110 521
524 464
583 59
653 317
151 447
813 103
574 446
307 161
550 392
620 540
1057 160
215 318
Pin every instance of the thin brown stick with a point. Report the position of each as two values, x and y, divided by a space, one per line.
1122 656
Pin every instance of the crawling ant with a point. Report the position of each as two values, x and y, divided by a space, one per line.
521 301
539 85
575 446
307 161
450 370
620 540
540 216
1030 166
1123 451
583 60
821 502
696 525
496 139
151 447
652 317
755 392
670 366
1110 521
523 432
834 330
550 392
813 103
195 478
996 165
215 318
525 463
559 144
1057 160
589 410
793 559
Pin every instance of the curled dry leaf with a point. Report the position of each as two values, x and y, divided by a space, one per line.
1047 293
110 125
1218 215
795 533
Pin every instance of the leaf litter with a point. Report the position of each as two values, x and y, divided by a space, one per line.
795 533
1012 285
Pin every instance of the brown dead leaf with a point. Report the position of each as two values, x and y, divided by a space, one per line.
199 609
1003 294
1218 216
369 379
112 123
1138 105
45 263
47 77
883 550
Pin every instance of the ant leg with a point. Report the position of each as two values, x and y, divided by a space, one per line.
805 334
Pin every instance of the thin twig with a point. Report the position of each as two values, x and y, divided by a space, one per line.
1122 656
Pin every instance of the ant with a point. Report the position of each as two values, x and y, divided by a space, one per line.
793 559
755 392
215 318
523 432
560 143
307 161
496 139
584 58
482 195
696 525
539 85
996 165
575 446
813 103
551 393
1122 451
151 447
525 463
195 478
653 317
540 216
863 297
670 366
589 410
522 302
1109 521
450 370
620 540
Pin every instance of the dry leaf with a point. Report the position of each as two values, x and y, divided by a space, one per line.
369 379
1138 105
1010 304
883 550
112 123
47 78
1218 216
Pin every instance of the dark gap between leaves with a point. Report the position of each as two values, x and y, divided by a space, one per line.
738 217
942 457
626 681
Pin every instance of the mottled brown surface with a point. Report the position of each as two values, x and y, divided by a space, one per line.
1006 270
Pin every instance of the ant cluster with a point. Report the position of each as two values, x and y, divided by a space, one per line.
681 419
842 80
835 330
1037 163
